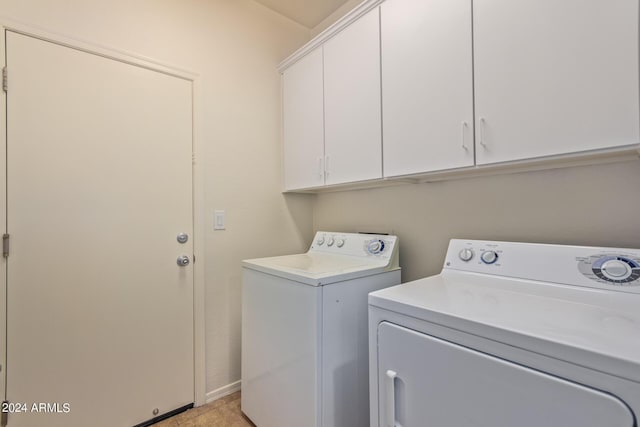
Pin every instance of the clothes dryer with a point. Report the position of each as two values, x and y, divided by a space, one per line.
510 334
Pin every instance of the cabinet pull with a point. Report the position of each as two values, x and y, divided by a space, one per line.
482 133
391 399
320 170
326 166
464 126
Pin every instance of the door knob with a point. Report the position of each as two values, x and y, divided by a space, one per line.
183 261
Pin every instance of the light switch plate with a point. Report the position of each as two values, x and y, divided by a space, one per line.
218 220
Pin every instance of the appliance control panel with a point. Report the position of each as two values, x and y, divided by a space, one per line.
605 268
620 269
355 244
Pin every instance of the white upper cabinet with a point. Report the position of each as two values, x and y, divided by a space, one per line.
353 146
416 87
554 77
303 123
427 85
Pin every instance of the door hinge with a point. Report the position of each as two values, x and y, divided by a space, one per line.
4 418
5 245
5 85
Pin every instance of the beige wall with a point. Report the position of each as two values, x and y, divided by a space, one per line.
235 46
589 205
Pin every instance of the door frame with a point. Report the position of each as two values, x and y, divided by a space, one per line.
197 191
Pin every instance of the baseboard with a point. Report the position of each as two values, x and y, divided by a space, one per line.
223 391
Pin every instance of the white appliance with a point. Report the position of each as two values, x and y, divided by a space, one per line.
510 334
304 331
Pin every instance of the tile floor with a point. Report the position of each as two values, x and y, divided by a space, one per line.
223 412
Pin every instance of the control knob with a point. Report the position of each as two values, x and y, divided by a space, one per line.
466 254
615 269
489 257
340 243
375 247
320 240
330 242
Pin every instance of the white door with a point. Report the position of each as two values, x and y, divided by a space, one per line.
428 381
427 85
100 316
554 77
303 123
353 133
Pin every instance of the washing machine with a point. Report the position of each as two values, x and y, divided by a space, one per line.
510 334
305 330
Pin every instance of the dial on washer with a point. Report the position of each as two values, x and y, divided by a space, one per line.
375 247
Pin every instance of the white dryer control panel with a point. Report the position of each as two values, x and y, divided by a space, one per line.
381 246
596 267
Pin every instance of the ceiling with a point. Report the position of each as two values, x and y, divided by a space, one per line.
306 12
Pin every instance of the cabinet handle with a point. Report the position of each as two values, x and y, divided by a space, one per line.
320 171
326 166
391 399
482 133
464 126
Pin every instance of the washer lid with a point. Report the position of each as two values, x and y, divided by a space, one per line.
590 327
317 269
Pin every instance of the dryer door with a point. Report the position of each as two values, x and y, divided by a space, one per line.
427 381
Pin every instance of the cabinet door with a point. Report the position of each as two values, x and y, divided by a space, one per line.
554 77
352 102
427 85
425 378
303 123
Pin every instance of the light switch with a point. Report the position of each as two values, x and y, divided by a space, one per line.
218 220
